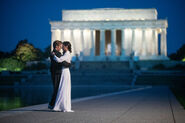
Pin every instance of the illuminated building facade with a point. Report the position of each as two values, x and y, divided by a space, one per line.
113 34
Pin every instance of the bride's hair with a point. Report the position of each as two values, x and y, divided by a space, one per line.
68 44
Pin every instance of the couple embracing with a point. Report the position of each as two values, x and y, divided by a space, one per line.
61 77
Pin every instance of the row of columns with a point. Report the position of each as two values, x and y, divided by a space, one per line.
154 43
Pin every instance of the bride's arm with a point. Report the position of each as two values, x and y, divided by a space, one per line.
61 59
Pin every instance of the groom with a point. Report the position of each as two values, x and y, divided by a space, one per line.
56 70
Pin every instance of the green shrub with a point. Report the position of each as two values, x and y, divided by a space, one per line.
11 64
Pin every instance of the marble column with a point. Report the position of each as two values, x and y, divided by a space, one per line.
92 43
156 43
153 42
56 35
143 43
113 42
102 42
52 38
62 35
73 42
133 49
82 39
163 43
122 43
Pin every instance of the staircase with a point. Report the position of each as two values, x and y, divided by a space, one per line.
101 77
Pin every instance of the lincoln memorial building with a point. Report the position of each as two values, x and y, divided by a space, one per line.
113 34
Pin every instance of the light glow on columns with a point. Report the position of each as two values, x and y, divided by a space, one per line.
87 42
137 42
159 30
77 41
57 34
148 40
67 35
127 41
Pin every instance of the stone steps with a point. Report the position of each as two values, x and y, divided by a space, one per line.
89 78
108 65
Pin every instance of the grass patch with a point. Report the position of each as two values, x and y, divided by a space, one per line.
179 93
6 104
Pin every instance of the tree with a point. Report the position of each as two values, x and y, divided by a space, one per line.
181 52
179 55
47 51
40 54
25 51
173 56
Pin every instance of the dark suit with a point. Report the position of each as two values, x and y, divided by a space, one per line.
56 71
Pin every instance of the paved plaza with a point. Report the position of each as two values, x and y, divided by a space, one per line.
145 105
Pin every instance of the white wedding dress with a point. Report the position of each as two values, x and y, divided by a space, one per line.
63 99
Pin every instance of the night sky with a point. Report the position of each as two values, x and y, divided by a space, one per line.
29 19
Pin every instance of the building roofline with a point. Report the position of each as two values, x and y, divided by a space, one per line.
110 9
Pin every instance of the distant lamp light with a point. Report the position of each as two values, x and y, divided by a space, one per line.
107 19
159 30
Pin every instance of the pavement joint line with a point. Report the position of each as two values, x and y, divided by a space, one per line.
170 102
44 106
109 94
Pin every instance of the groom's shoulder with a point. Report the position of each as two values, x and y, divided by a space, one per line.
51 55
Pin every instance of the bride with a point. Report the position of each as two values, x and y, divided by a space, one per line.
63 99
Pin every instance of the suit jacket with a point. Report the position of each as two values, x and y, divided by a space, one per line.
55 66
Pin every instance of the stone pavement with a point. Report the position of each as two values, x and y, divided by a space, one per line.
149 105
